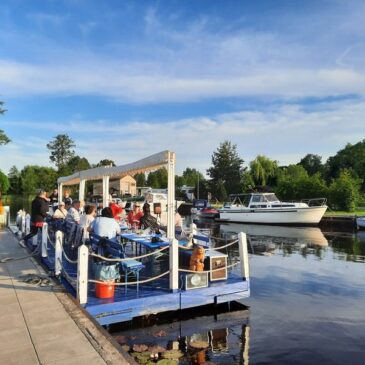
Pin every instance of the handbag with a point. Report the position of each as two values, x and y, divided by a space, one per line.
105 271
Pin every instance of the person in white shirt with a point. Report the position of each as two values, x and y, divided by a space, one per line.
73 214
106 225
87 218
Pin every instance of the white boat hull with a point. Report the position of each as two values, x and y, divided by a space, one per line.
295 215
360 222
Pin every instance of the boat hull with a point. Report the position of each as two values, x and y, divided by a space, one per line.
295 215
360 223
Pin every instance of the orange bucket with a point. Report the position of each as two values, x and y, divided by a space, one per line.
105 290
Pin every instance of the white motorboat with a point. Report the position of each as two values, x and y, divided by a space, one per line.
360 221
266 208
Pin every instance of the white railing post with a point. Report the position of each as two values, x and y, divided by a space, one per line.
44 239
105 191
58 253
174 247
22 226
82 274
242 244
60 192
27 223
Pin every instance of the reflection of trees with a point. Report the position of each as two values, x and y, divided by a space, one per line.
348 248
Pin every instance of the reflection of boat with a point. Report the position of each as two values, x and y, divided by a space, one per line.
306 235
266 208
360 221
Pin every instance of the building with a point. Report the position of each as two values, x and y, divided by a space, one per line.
123 186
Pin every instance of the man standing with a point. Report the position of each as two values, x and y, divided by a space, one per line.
39 210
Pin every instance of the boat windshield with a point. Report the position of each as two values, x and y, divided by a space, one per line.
271 198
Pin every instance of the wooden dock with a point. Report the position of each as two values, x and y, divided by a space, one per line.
41 324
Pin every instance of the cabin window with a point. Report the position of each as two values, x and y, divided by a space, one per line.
258 199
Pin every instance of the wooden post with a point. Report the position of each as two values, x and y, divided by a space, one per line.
44 239
174 248
82 274
58 253
242 244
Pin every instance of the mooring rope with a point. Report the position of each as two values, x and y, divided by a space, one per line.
227 245
132 282
66 275
9 259
130 258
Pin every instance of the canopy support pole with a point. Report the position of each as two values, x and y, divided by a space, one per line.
105 191
174 249
82 190
60 193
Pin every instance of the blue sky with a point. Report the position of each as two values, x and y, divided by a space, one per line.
126 79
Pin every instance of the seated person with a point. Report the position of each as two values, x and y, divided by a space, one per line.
134 216
61 211
87 218
148 220
117 210
73 214
105 226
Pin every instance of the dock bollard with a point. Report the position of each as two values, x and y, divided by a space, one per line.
44 239
82 273
242 244
58 253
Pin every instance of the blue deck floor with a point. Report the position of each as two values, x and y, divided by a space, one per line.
151 298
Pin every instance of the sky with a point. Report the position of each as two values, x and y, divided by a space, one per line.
127 79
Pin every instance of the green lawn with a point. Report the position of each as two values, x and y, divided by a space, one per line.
359 211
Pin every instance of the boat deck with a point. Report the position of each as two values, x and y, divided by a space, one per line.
150 298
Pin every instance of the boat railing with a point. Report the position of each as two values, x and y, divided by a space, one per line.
315 202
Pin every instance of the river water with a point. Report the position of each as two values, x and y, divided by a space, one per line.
306 307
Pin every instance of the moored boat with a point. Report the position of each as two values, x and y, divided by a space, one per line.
266 208
360 222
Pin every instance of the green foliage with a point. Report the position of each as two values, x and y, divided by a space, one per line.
352 157
140 179
78 163
15 181
158 179
262 168
179 181
247 181
294 183
61 149
4 139
344 192
35 177
105 162
312 164
226 169
220 191
4 183
192 176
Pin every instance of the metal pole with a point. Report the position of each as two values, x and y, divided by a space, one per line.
58 253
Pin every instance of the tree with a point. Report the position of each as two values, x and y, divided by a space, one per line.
352 157
262 168
140 179
4 139
61 149
4 183
15 180
192 176
35 177
78 163
312 164
226 169
344 192
105 162
158 179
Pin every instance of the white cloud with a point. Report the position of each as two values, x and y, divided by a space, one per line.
285 133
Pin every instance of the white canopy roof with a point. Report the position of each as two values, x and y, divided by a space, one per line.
150 163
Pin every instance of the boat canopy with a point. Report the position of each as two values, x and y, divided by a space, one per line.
147 164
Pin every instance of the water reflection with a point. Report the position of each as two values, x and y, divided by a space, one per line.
220 339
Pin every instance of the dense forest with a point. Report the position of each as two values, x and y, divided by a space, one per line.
340 179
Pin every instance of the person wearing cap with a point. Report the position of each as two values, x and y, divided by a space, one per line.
39 210
61 211
73 214
135 215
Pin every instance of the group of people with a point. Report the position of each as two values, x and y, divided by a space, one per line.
106 225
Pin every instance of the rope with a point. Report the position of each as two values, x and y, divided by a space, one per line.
227 245
66 275
208 271
218 238
67 258
34 253
49 239
132 282
129 258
